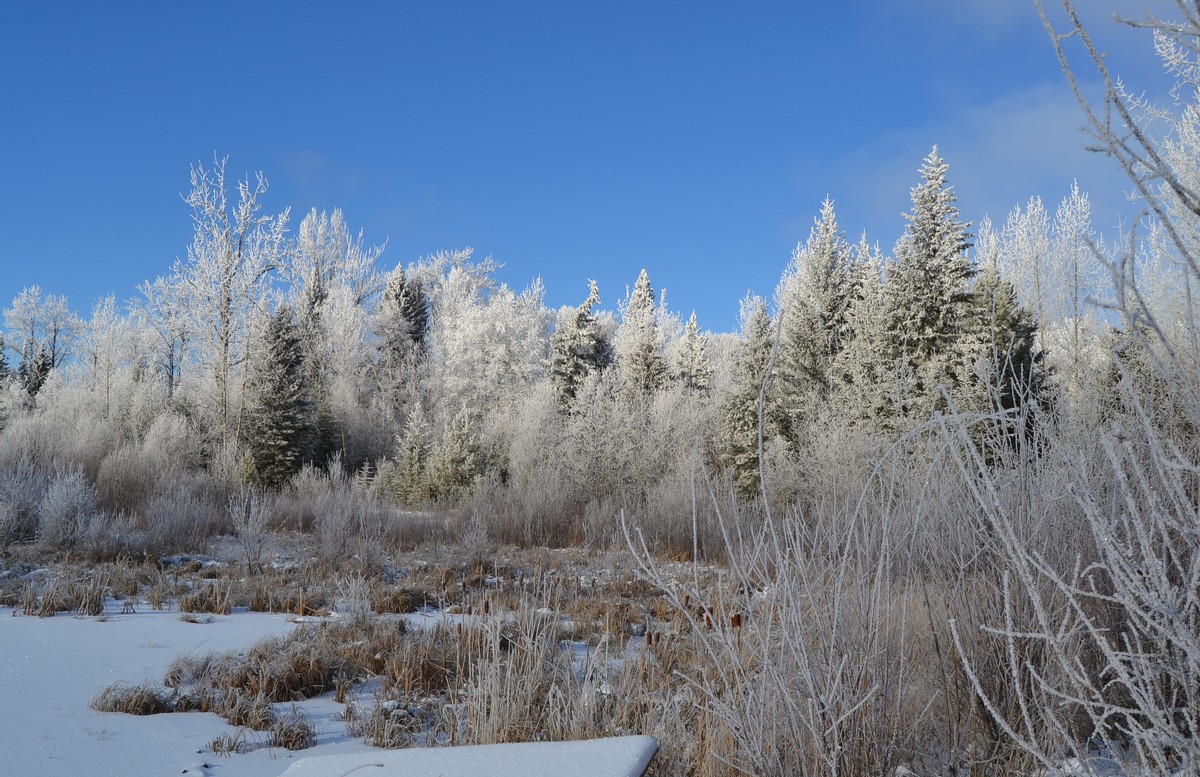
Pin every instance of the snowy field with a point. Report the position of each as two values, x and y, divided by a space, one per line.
53 667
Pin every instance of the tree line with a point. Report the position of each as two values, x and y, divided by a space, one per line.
433 384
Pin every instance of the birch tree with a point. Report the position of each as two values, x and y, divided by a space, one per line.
234 249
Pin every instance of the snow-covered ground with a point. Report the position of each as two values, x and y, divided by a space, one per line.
51 668
616 757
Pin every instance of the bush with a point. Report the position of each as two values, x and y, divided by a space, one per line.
66 509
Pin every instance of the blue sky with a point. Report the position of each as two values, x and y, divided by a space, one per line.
567 140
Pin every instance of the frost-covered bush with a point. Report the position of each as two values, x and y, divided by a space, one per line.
21 488
181 520
67 508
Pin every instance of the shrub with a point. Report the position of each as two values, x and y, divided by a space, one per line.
68 506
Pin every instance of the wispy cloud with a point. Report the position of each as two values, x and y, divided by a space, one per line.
1001 152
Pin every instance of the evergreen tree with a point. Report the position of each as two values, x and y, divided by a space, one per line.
279 424
5 373
406 312
867 382
578 348
742 409
312 335
1009 374
34 370
813 296
456 469
695 372
412 472
929 291
639 342
403 336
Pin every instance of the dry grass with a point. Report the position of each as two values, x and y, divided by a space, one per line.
292 731
213 598
246 710
239 741
144 699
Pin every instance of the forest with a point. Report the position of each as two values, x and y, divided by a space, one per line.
933 509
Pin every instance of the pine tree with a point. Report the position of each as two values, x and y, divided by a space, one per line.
578 349
695 372
5 373
813 296
742 409
639 342
279 424
929 290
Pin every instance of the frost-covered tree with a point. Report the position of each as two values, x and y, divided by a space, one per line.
1009 377
813 298
694 371
279 425
410 483
41 322
234 249
326 254
402 329
456 468
866 378
5 371
748 414
160 313
929 291
34 371
488 343
105 349
578 348
639 346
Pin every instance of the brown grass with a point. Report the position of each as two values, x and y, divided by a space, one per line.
213 598
144 699
292 732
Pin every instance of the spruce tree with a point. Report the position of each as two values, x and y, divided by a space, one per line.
1009 371
929 291
406 312
5 373
813 296
279 424
639 342
695 372
867 384
456 469
312 332
412 472
742 409
403 332
34 370
578 349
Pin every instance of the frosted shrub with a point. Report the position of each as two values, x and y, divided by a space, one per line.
67 507
21 489
251 511
180 520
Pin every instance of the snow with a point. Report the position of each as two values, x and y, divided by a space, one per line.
615 757
51 668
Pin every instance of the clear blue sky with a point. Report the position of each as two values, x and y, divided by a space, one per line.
568 140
